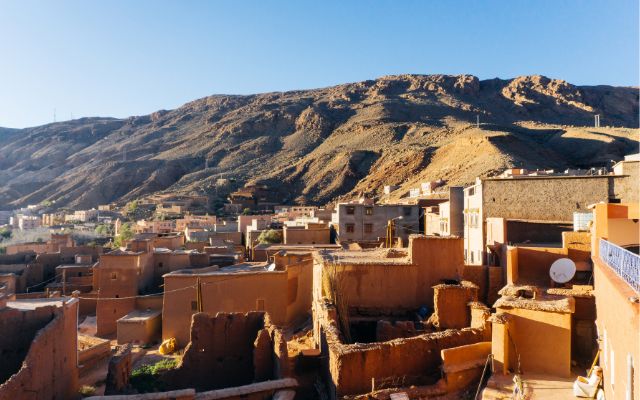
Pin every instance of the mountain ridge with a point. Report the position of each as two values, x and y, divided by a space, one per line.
318 144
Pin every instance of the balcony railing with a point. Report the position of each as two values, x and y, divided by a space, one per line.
625 263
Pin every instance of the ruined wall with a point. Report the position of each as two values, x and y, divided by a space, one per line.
229 350
285 295
49 370
351 367
451 305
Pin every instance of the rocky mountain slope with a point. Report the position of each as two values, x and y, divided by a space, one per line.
316 145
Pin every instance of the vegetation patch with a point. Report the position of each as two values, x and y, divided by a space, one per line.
147 378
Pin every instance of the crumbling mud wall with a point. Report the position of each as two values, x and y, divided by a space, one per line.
451 305
230 349
356 368
49 369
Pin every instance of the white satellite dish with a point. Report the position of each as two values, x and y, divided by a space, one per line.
562 270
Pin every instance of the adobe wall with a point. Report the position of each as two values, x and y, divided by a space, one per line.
285 295
50 367
230 350
168 242
351 367
451 305
306 236
529 198
617 318
535 334
30 247
479 276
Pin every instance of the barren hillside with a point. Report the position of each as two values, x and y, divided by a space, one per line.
316 145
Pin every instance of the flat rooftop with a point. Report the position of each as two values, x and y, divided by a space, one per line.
367 256
32 304
137 316
248 267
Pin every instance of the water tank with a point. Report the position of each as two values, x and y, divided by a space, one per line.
581 220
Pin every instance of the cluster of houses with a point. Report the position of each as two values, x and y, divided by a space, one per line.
513 286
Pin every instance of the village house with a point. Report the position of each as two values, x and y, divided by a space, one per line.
24 222
446 218
365 221
194 221
152 226
540 199
310 233
283 290
616 265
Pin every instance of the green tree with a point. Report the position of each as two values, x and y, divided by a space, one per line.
246 211
126 233
269 237
5 233
104 230
131 207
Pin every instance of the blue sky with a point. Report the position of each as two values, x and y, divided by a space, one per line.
120 58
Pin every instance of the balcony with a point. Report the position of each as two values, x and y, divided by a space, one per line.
625 263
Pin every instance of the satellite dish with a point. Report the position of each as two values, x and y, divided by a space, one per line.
562 270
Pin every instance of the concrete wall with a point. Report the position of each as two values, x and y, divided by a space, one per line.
618 330
49 369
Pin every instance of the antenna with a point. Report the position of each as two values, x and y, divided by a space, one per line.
562 270
597 120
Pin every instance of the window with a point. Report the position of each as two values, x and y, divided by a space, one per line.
368 228
160 265
471 253
407 211
194 305
368 210
114 275
351 210
350 228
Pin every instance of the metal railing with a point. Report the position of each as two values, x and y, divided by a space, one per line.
625 263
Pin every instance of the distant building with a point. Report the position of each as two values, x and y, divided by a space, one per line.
368 222
447 218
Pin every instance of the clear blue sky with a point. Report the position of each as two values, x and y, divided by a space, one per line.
121 58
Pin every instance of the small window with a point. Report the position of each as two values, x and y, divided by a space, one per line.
368 228
160 265
350 228
194 305
351 210
114 275
368 210
471 254
117 296
407 211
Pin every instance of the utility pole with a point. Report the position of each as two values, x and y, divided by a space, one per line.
478 121
54 115
597 120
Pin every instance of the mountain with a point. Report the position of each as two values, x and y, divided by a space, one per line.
316 145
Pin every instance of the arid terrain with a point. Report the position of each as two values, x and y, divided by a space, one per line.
317 145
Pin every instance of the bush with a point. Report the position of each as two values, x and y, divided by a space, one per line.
146 378
270 236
